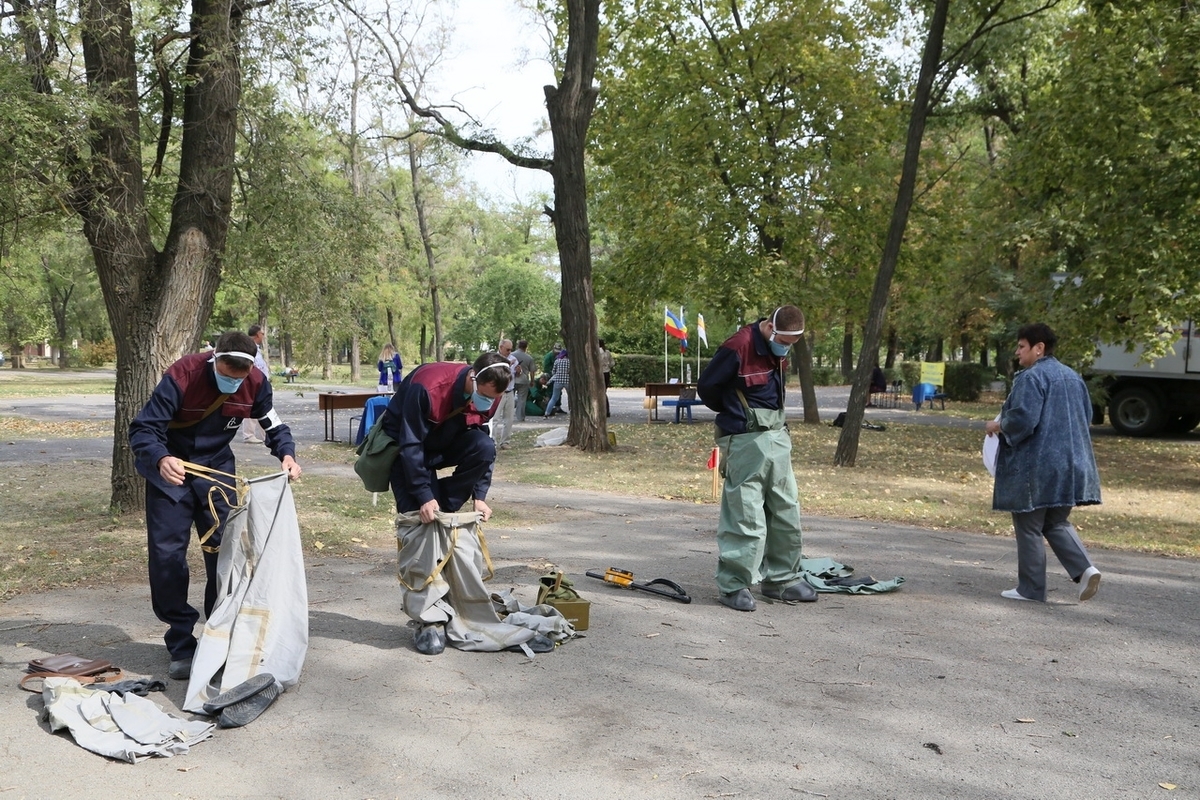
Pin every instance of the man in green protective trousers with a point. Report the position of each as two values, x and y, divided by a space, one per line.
758 536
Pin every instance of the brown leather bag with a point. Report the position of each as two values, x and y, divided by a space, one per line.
69 665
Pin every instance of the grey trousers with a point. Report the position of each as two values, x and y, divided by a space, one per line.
1052 524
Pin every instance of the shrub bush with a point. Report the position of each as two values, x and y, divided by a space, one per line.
97 354
827 376
631 369
964 380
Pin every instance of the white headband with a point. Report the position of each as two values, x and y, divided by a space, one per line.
783 333
233 354
491 366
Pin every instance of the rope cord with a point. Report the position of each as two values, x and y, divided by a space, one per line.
238 486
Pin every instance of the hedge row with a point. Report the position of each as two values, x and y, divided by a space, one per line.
964 381
638 370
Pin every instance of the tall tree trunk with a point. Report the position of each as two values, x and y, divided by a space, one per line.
60 299
892 346
355 359
847 448
808 392
570 106
156 301
327 357
848 351
414 169
391 326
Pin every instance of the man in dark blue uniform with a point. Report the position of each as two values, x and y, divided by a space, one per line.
193 415
438 416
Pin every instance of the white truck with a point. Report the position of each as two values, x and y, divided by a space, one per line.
1146 398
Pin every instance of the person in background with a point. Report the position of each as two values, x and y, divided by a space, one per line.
192 416
389 367
758 534
1045 465
560 377
606 365
549 359
878 384
526 367
502 420
251 428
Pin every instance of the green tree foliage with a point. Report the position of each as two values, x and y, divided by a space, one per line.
1104 166
514 300
720 136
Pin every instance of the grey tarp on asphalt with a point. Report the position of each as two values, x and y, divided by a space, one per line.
260 622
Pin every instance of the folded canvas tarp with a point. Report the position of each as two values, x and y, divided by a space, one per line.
128 728
441 566
260 622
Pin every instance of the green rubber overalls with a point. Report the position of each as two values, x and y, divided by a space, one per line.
758 535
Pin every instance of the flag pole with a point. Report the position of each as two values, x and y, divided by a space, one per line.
666 360
683 322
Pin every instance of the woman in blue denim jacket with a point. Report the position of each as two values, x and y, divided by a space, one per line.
1045 465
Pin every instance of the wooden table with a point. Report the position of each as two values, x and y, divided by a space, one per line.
657 390
331 401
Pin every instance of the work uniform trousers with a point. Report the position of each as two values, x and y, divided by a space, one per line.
168 531
1052 524
522 398
472 454
502 420
758 535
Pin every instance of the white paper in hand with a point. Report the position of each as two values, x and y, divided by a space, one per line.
991 445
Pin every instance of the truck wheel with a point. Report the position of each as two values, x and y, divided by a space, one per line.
1183 423
1136 411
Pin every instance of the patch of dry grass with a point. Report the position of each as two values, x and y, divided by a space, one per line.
12 428
921 475
38 383
56 529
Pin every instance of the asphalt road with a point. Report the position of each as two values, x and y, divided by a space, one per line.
940 690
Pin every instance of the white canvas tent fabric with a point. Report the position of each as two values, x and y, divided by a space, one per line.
260 622
128 728
440 567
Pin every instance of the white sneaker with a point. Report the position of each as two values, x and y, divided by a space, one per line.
1013 594
1089 582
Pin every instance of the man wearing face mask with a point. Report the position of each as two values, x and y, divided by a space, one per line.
437 416
193 415
758 535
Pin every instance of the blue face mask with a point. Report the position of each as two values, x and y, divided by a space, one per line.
481 403
226 384
778 349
